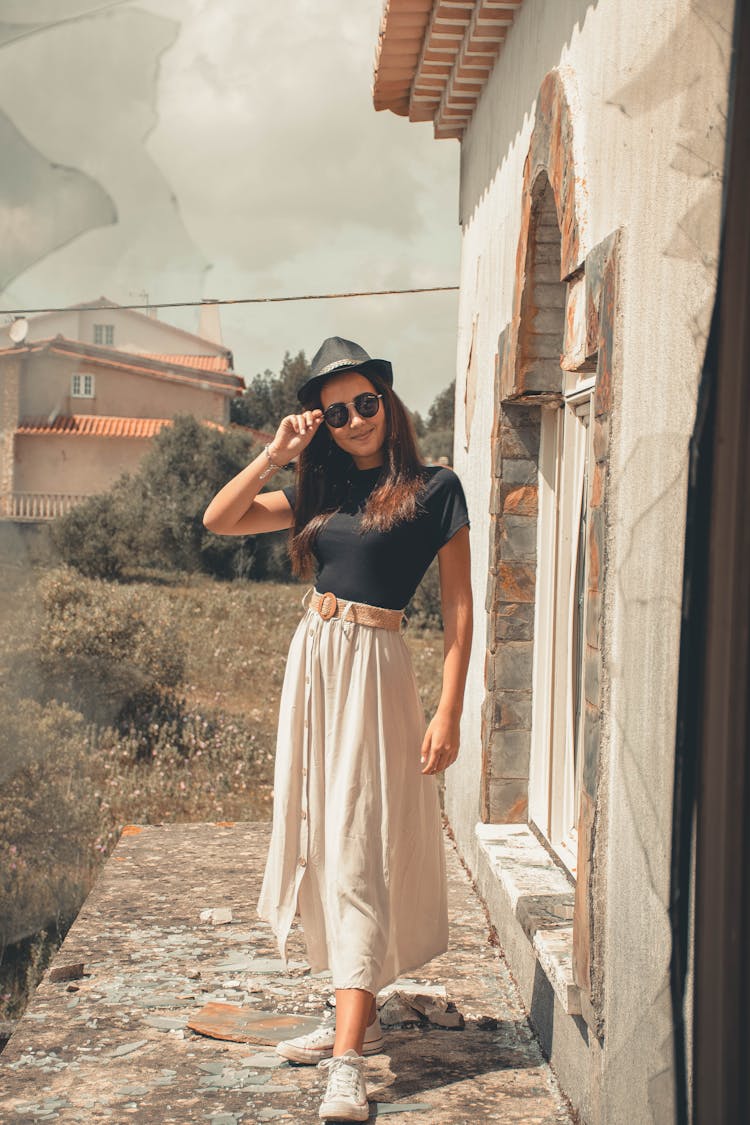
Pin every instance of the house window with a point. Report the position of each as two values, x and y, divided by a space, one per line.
104 334
82 386
565 470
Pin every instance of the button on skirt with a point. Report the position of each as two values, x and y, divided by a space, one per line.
356 842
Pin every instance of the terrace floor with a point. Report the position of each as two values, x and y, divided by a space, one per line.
114 1043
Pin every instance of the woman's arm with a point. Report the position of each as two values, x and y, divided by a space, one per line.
440 745
237 509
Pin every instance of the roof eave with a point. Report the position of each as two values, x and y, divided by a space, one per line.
231 384
433 58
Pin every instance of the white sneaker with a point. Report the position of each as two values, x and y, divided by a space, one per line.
346 1094
318 1044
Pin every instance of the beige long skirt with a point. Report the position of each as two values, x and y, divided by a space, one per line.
356 843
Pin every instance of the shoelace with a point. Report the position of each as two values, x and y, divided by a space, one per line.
345 1078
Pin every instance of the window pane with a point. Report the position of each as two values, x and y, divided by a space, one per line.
560 636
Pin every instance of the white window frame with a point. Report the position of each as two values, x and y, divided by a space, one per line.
104 335
82 385
565 468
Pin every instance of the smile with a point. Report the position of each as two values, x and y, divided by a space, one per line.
361 437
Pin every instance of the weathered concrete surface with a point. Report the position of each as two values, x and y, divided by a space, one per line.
113 1045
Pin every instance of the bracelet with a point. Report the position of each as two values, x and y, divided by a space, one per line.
272 464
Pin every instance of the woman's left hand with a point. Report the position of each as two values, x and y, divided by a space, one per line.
440 744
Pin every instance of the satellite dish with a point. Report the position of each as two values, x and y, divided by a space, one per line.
19 330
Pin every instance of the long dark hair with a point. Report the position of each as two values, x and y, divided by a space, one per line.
324 473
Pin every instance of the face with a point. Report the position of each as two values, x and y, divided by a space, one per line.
362 437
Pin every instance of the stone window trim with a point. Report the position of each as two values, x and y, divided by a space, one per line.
510 604
522 386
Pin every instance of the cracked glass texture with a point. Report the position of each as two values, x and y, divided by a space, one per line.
165 151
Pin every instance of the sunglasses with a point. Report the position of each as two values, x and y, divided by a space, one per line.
367 405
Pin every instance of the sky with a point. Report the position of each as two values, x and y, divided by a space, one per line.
226 148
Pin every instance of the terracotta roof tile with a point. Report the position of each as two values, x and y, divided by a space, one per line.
160 367
204 362
99 425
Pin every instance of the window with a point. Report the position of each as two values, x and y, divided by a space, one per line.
82 386
565 461
104 334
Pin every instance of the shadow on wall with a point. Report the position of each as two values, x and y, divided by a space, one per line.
550 28
703 36
690 64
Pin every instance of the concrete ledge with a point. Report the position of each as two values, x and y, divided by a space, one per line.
540 898
554 948
530 904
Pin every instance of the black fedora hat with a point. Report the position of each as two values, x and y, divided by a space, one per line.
336 355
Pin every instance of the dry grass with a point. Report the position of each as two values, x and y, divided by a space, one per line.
204 753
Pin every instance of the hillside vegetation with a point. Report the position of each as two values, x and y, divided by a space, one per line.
144 702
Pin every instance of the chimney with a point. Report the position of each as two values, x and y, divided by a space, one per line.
210 321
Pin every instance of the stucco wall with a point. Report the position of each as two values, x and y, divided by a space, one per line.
74 465
646 80
46 389
139 332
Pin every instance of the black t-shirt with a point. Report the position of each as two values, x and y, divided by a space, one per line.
385 568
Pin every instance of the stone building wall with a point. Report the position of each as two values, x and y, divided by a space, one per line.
620 106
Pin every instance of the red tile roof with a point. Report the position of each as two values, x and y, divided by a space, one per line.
203 362
99 425
107 425
224 380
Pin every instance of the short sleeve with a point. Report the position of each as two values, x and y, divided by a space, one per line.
446 502
290 491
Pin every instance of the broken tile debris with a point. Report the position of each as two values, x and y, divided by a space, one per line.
66 972
218 916
458 1046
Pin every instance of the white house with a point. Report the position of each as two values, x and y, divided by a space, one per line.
592 151
86 389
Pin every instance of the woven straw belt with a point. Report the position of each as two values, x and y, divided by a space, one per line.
328 606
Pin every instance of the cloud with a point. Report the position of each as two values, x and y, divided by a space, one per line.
266 120
240 148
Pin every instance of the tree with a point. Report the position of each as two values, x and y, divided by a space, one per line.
185 467
440 414
269 398
154 517
436 441
419 426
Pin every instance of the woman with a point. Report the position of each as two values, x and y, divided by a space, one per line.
356 842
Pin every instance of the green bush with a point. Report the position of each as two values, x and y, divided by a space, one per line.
102 648
153 519
49 815
424 609
92 538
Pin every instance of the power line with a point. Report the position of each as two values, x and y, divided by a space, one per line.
235 301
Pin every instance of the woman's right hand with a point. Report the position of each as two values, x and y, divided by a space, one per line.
294 434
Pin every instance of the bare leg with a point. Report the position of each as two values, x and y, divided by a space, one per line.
355 1009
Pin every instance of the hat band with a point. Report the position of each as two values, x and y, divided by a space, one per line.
340 363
